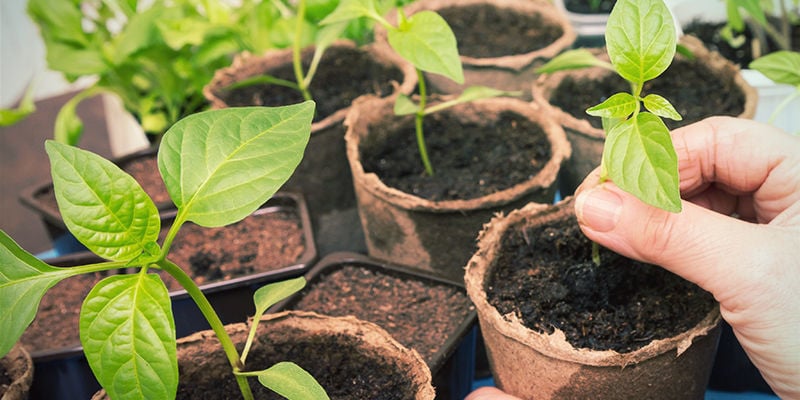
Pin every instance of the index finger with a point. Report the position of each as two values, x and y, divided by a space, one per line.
742 158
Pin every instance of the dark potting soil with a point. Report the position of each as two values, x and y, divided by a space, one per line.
258 243
586 6
5 380
419 314
469 160
709 34
335 361
343 74
546 277
520 33
694 90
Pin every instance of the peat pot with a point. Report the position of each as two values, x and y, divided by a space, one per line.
17 366
557 326
439 235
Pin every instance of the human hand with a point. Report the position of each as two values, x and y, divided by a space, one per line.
737 237
489 393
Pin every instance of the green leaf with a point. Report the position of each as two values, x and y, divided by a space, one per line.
68 126
128 335
660 106
183 31
620 105
427 42
58 21
74 61
640 159
139 33
26 107
104 207
349 10
572 59
267 295
781 67
221 165
734 16
290 381
404 106
24 279
641 39
753 8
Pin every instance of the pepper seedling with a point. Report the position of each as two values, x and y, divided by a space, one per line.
780 67
429 44
218 166
638 155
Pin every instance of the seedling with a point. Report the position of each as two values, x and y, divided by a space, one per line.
781 67
218 166
427 42
638 154
763 21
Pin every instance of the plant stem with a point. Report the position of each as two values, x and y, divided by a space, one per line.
423 150
298 66
213 319
596 253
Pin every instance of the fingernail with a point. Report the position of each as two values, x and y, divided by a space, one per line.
598 209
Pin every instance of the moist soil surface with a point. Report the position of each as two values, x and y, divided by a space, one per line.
520 33
742 55
335 361
695 91
249 246
419 313
470 160
343 74
546 278
586 7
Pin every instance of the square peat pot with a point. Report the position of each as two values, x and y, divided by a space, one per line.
422 311
62 372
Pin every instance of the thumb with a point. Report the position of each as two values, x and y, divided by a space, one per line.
714 251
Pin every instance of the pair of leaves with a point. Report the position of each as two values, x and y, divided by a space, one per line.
424 39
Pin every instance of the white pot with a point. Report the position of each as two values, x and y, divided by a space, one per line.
125 134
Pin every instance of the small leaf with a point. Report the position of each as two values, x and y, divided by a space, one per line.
348 10
427 42
267 295
221 165
26 107
24 279
641 39
781 67
289 380
104 207
572 59
640 159
68 126
128 334
139 33
660 106
620 105
404 106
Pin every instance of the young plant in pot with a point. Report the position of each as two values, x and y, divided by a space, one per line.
405 204
219 166
574 315
333 72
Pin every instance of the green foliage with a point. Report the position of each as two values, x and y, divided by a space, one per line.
219 166
26 107
781 67
158 55
638 155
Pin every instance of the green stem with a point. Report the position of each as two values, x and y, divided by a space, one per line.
596 254
213 319
296 60
785 102
423 150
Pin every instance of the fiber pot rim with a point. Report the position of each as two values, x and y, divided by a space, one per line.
543 87
555 345
19 366
516 62
250 65
358 123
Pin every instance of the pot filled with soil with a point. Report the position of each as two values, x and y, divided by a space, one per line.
423 312
701 86
501 42
228 264
351 359
489 156
344 73
557 325
16 374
